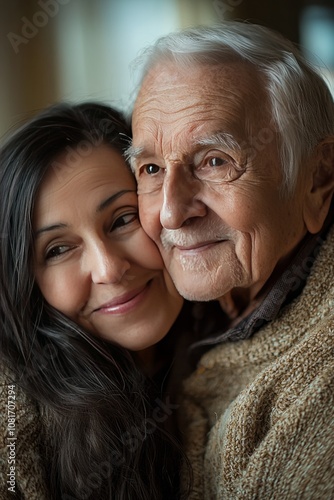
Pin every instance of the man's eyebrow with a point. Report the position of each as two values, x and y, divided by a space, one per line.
219 139
133 152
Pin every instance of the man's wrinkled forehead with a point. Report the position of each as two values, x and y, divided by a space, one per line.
171 81
170 92
181 106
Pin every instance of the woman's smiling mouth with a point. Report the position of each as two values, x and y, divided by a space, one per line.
124 303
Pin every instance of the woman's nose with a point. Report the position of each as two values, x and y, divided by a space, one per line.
107 265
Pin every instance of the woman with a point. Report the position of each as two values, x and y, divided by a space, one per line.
81 286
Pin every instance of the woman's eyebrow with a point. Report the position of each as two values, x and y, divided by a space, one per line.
102 206
52 227
113 198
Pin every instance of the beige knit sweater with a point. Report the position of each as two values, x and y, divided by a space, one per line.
258 414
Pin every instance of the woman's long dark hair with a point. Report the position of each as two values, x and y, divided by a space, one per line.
103 433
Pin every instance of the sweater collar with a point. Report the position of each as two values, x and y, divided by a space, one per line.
288 286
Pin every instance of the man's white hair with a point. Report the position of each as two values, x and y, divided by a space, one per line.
302 106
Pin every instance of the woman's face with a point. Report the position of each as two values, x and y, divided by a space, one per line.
93 261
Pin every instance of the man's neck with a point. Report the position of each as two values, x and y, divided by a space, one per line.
237 304
240 302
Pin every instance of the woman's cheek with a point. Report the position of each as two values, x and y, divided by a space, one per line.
63 290
148 255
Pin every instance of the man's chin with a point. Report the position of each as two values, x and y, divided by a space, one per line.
195 293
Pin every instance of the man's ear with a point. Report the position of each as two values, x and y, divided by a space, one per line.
320 187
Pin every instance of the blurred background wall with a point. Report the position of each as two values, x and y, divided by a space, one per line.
52 50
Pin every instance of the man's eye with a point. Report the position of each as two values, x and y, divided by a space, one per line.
215 161
149 178
151 169
221 168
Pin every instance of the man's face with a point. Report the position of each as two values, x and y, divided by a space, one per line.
205 154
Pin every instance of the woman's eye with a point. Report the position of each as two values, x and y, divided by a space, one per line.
124 220
56 251
152 169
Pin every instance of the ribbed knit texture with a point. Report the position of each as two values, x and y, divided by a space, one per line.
258 414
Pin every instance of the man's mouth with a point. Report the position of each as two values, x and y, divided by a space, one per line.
194 247
195 240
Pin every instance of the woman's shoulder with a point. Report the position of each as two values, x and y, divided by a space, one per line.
20 415
14 401
21 436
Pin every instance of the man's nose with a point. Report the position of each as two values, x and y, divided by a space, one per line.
107 265
181 198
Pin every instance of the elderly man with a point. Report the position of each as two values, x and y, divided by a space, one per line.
233 151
